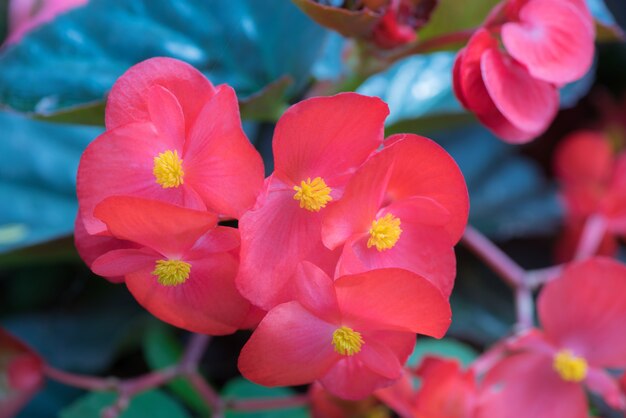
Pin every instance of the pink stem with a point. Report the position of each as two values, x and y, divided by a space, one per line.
210 396
525 306
494 257
80 381
593 232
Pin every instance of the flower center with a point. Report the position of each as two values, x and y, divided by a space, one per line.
168 169
171 272
347 341
384 232
570 367
313 194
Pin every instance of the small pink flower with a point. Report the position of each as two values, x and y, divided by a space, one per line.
352 335
173 137
582 314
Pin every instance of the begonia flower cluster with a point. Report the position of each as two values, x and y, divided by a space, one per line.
542 373
509 73
341 256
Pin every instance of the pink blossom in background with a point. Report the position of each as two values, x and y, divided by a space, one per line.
26 15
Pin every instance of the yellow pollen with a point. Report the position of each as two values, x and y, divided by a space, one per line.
570 367
313 194
384 232
168 169
171 272
347 341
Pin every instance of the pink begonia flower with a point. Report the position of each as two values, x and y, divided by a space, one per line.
352 335
582 313
593 182
21 374
318 144
501 92
26 15
445 391
325 405
406 207
553 39
173 137
183 267
509 72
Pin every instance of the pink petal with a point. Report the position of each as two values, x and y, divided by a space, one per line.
275 237
207 302
216 240
584 157
384 352
394 299
526 102
350 379
605 385
470 88
315 291
166 114
421 249
289 347
327 137
128 100
221 164
121 162
119 263
168 229
585 310
525 385
553 40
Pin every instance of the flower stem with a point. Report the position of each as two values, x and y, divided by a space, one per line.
590 239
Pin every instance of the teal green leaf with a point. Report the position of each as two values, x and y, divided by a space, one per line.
446 348
76 58
153 404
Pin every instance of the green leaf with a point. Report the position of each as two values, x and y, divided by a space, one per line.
153 404
76 58
268 104
87 114
447 348
38 163
4 19
241 388
162 349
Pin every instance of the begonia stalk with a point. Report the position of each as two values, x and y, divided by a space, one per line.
318 144
182 267
174 137
406 207
582 314
352 334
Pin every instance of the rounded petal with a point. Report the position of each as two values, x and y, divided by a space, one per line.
221 164
351 379
394 299
584 157
327 137
526 102
423 250
119 263
168 229
121 162
472 92
525 385
166 114
275 237
207 302
585 306
289 347
602 383
315 291
554 40
128 100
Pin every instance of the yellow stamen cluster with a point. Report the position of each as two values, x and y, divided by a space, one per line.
168 169
171 272
313 194
347 341
384 233
570 367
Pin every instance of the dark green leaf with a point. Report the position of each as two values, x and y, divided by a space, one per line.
76 58
153 404
241 388
268 104
162 349
38 163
